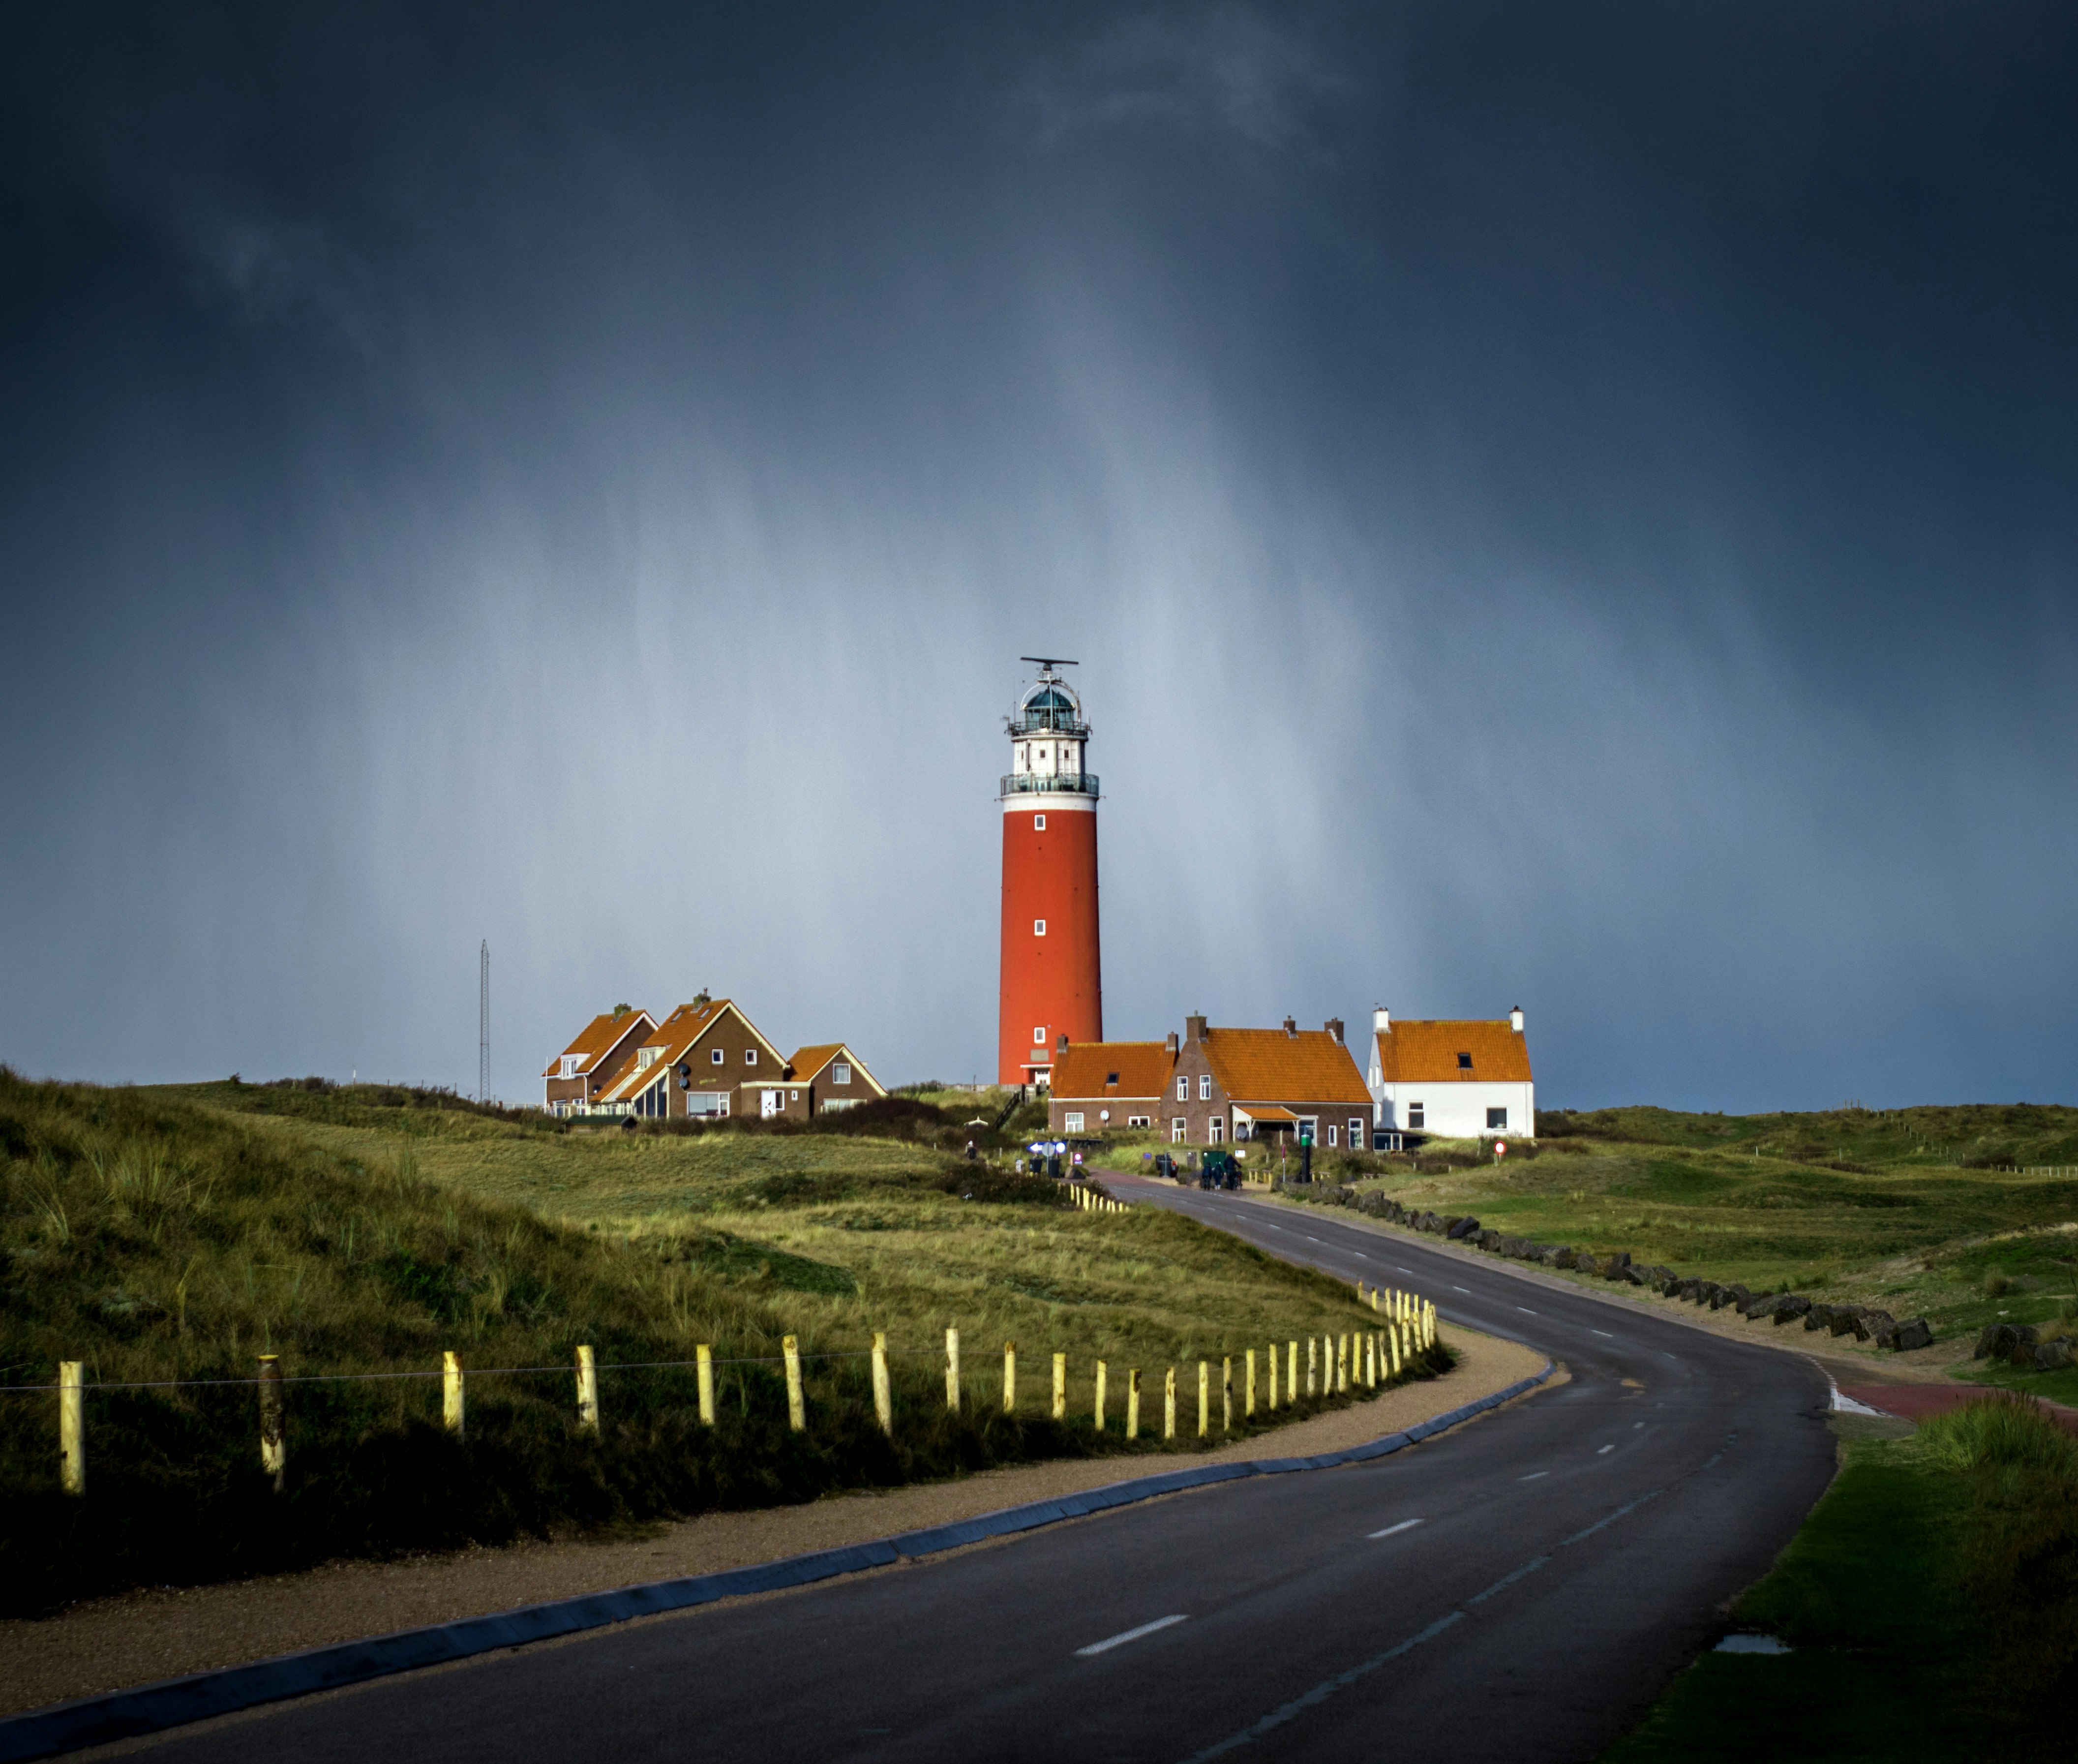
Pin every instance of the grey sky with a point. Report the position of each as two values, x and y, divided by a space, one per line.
1559 507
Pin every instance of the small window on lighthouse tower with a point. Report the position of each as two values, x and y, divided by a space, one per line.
1039 1036
1038 927
1038 823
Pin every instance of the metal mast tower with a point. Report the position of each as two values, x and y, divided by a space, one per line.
483 1023
1051 983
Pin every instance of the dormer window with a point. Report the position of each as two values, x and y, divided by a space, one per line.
1464 1062
646 1057
840 1073
570 1064
1110 1077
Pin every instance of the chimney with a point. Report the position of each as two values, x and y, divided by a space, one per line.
1171 1044
1194 1029
1064 1044
1291 1029
1515 1019
1333 1026
1381 1021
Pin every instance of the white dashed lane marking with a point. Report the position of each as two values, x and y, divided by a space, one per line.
1405 1524
1604 1334
1119 1640
1533 1476
1605 1449
1525 1310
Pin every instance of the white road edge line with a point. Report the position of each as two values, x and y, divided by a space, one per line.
1604 1334
1405 1524
1119 1640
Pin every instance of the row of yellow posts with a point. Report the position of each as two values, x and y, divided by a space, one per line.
1370 1357
1091 1201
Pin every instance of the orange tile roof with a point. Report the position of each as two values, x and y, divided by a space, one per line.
1267 1065
675 1036
808 1063
1085 1069
1426 1052
599 1038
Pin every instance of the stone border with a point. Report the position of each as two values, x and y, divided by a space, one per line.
153 1708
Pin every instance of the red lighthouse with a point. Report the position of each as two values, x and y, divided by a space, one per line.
1053 986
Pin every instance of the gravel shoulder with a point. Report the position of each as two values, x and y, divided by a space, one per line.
163 1632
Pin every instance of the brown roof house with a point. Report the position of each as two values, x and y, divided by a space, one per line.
1265 1084
693 1065
1108 1086
829 1077
604 1049
1460 1078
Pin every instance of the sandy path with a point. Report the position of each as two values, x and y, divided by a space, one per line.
163 1632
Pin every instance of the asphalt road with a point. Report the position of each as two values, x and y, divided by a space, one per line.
1520 1589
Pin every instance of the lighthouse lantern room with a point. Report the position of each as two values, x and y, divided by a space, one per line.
1052 989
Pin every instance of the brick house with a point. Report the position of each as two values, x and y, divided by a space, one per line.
1227 1085
830 1076
603 1051
1462 1078
1107 1086
696 1065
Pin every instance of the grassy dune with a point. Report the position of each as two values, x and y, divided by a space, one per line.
1920 1210
166 1238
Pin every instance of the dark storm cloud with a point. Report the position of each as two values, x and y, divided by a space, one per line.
1566 506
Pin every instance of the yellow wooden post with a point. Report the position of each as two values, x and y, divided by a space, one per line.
1392 1336
1274 1358
1133 1402
451 1393
587 1391
273 1439
72 1426
952 1370
1248 1410
1291 1373
1205 1397
1375 1304
1313 1364
1370 1359
884 1399
703 1364
1009 1377
1226 1394
1060 1387
1342 1364
797 1406
1100 1395
1169 1406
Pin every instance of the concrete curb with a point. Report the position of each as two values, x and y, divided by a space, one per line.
152 1708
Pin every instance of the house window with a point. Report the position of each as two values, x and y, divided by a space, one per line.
750 1056
1110 1077
715 1054
1176 1130
1038 927
794 1095
1464 1062
1182 1090
1137 1121
1496 1120
1039 1036
1038 823
1356 1133
1072 1124
570 1064
1331 1135
1414 1115
706 1103
1217 1126
1204 1087
840 1073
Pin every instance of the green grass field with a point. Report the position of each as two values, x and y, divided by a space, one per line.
1853 1207
167 1237
1930 1604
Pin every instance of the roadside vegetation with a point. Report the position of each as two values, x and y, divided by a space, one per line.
167 1237
1930 1604
1966 1216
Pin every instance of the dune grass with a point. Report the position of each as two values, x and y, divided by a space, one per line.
166 1240
1930 1601
1851 1206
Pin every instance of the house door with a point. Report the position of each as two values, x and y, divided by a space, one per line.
771 1102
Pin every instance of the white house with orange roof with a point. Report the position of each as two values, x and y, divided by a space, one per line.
1455 1078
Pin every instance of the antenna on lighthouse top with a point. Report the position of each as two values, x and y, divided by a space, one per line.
1048 663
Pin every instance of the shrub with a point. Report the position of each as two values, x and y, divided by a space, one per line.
2003 1433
